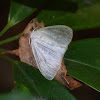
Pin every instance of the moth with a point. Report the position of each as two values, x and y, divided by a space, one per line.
49 45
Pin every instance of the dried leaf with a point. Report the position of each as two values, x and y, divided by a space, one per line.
15 52
26 55
25 51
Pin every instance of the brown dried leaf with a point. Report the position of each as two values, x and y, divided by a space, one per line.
15 52
66 80
25 51
26 55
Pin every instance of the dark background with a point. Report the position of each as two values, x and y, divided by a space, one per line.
6 74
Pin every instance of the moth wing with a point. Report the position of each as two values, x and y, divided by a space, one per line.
49 46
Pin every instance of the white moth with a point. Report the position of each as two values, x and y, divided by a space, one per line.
49 45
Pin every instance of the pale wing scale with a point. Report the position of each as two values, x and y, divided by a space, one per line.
49 45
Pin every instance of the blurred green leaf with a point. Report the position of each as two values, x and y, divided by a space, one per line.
83 18
18 93
59 5
17 13
10 39
31 78
83 61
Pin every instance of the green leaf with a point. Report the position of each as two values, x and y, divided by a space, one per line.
83 61
18 93
31 78
83 18
10 39
17 13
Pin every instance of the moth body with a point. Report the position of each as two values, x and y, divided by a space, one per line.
49 45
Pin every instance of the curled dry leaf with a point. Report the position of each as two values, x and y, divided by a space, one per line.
26 55
15 52
25 51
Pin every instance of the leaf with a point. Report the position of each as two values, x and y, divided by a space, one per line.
18 93
83 61
31 78
17 13
10 39
83 18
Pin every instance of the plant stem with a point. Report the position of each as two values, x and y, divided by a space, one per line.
5 29
10 39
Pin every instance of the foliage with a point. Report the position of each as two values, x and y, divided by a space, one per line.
82 57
